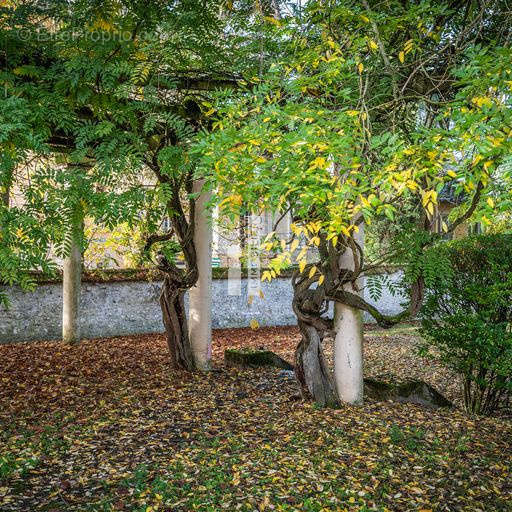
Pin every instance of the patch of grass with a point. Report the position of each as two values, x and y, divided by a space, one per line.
410 438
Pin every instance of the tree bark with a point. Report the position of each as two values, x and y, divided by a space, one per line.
200 295
311 369
172 303
71 285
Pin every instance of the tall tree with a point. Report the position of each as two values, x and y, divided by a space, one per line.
126 85
378 107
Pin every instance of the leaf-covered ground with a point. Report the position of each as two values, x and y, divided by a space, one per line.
107 426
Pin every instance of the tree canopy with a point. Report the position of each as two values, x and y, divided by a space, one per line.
100 102
375 110
374 113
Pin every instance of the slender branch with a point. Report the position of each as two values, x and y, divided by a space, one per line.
153 239
467 214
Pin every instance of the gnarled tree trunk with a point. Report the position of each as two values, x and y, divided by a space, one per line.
172 302
311 369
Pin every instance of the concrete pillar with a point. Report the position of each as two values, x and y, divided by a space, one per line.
200 305
71 285
348 343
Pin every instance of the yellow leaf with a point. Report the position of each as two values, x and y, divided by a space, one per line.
480 101
451 173
372 44
266 275
294 245
321 279
401 57
296 230
319 162
302 265
360 67
411 185
490 202
254 324
312 271
272 20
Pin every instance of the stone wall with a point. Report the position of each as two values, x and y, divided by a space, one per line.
131 307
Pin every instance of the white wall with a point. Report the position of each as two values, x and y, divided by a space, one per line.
131 307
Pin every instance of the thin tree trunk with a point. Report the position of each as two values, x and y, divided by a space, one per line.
311 370
71 285
6 195
200 295
172 303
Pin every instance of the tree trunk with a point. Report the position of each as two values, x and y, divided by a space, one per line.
71 285
311 370
348 343
174 316
200 305
348 353
310 367
6 195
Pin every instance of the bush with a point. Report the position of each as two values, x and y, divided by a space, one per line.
467 317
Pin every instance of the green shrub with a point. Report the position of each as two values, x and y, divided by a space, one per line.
467 317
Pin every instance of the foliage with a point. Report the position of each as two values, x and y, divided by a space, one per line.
99 104
119 247
354 129
467 317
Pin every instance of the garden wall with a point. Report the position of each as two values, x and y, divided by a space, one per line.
129 307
